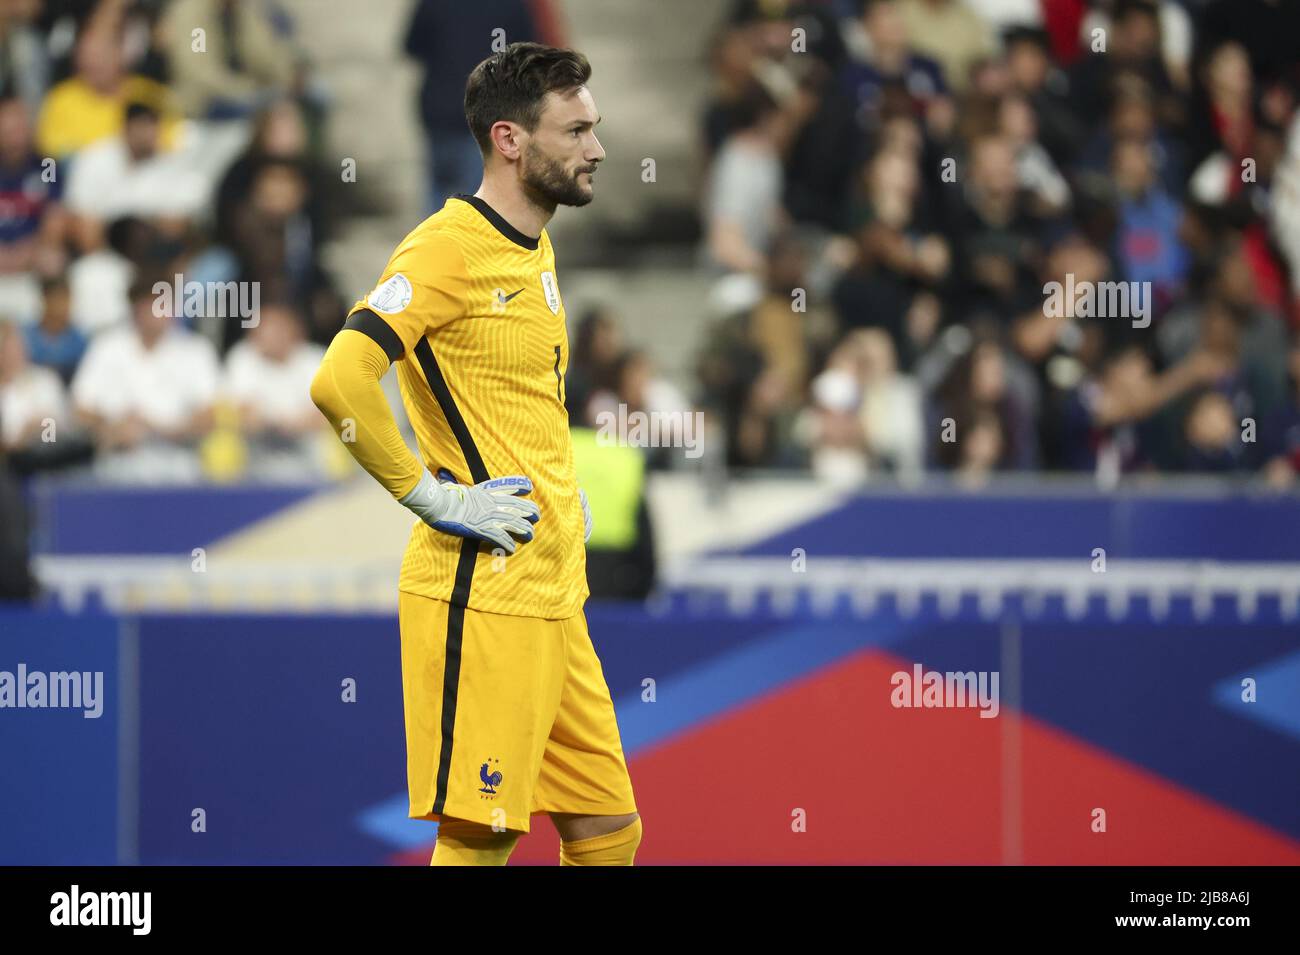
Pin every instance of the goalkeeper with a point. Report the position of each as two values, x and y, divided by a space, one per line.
506 706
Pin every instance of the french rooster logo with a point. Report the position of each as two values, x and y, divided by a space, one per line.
490 780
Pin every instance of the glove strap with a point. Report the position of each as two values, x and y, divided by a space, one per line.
428 495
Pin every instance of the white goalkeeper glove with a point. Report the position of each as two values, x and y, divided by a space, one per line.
491 511
586 516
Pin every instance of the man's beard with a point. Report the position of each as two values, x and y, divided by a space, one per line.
547 184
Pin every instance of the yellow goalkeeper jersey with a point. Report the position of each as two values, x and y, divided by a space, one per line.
476 308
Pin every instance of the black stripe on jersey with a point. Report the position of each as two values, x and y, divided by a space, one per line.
451 666
366 322
499 223
464 568
438 384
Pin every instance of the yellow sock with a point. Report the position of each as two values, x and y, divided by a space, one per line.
612 848
461 842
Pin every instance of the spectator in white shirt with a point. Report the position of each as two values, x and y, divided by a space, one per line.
742 197
268 380
133 175
33 404
146 391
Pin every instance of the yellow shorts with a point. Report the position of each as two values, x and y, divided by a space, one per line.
506 716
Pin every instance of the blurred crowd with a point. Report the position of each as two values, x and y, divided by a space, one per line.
891 187
148 149
888 190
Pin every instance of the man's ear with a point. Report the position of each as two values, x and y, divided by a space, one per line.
504 139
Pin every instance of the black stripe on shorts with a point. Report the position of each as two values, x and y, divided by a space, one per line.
451 666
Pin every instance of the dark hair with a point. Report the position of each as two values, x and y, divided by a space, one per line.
54 283
1127 8
584 338
754 105
138 109
865 7
142 286
1020 33
511 85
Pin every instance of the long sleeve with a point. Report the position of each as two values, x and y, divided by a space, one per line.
346 389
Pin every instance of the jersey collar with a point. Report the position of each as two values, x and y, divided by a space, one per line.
500 224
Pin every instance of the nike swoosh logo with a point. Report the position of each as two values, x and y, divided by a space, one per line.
503 298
